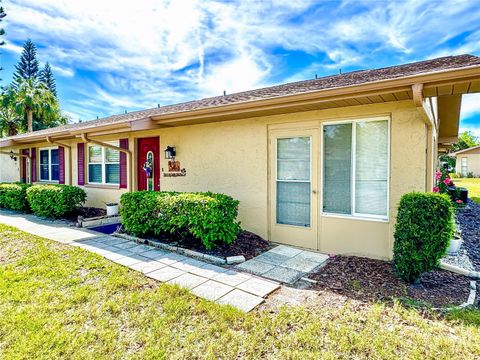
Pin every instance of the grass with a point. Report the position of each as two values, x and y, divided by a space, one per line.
473 186
63 302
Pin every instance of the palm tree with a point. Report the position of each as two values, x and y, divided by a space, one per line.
33 96
10 120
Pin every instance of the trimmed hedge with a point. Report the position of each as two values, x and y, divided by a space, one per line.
208 217
422 234
55 200
14 196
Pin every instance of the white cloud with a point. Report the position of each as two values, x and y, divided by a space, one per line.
470 105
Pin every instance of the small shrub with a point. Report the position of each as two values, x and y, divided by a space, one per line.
422 233
14 196
470 175
208 217
54 200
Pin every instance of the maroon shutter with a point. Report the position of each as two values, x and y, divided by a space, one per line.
81 163
33 164
123 164
61 165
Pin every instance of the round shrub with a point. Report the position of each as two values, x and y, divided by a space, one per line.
422 233
208 217
54 200
14 196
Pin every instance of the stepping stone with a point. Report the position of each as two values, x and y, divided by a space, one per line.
255 267
171 258
258 287
231 277
313 256
140 248
116 254
126 245
147 266
284 275
128 260
188 281
188 264
208 271
272 258
300 264
165 274
154 254
241 300
212 290
285 250
110 240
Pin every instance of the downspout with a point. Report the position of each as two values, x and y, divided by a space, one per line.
54 142
417 91
85 139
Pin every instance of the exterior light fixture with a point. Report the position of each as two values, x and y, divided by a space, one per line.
170 152
12 155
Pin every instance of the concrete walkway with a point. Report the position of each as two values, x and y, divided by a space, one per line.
284 263
208 281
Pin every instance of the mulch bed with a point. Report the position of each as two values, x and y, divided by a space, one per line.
469 220
369 280
247 244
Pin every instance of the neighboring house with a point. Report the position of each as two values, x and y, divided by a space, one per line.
468 161
319 164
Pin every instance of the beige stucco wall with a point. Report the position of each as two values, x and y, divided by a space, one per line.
473 162
232 158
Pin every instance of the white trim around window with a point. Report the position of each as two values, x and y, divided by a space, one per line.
103 166
353 213
50 166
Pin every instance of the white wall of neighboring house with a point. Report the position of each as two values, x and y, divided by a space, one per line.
9 169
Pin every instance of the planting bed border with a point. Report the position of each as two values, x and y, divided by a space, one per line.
229 260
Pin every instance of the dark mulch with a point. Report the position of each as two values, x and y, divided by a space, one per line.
371 280
247 244
86 212
469 219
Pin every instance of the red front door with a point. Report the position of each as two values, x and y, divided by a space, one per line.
148 171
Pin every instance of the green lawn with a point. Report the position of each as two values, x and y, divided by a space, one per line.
62 302
473 186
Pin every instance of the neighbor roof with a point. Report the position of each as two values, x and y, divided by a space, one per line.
465 150
301 87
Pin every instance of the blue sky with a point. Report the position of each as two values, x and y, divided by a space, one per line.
111 56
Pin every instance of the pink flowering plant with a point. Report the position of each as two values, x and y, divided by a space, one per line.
442 182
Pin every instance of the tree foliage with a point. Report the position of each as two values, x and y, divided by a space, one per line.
2 31
465 140
27 67
46 76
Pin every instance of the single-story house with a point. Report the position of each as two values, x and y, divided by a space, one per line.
320 164
468 161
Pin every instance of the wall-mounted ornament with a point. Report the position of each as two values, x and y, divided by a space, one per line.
182 172
173 165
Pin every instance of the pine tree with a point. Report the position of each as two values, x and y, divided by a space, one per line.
2 31
27 67
46 76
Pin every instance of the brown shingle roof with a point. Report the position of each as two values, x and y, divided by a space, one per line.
300 87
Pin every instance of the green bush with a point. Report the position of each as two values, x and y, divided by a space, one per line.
422 233
55 200
208 217
14 196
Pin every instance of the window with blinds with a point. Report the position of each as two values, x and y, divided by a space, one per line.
103 165
355 168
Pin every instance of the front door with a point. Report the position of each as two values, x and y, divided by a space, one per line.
293 187
148 162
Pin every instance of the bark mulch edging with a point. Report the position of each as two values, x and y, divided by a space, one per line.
369 280
247 244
